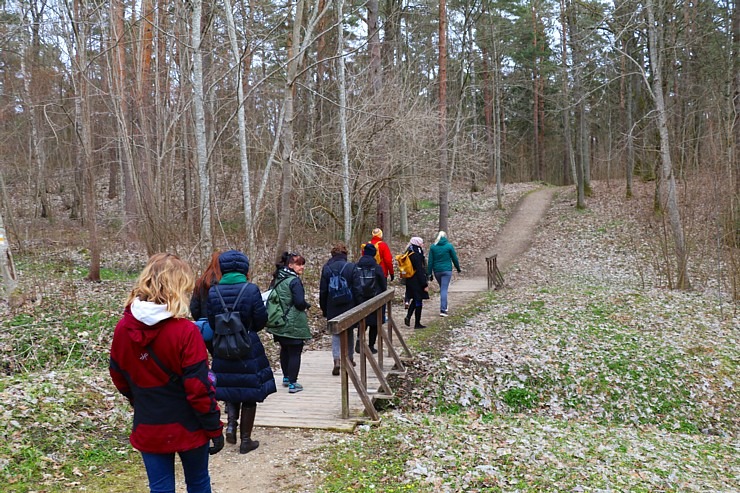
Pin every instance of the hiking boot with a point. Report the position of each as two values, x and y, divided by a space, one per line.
407 321
335 370
294 388
247 445
373 350
419 326
286 381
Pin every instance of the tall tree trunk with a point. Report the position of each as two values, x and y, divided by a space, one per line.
206 238
243 160
735 147
488 114
296 52
568 158
444 184
346 199
669 180
383 213
30 63
118 78
83 130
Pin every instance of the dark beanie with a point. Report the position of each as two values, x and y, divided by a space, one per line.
369 249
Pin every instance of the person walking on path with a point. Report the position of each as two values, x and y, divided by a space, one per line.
291 335
158 361
416 286
442 256
386 258
369 281
330 307
241 383
199 301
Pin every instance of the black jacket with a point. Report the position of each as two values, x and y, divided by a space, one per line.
415 284
329 308
381 284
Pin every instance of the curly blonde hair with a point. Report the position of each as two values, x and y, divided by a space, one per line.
166 280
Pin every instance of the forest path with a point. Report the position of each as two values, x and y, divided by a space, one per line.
515 238
270 468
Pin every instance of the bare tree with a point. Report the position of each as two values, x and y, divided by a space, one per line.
346 198
444 185
206 238
669 190
246 192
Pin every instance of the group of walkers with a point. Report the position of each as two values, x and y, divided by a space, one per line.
159 360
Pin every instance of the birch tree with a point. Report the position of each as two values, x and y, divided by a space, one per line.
206 239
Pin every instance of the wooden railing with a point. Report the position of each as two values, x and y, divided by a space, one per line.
495 278
356 317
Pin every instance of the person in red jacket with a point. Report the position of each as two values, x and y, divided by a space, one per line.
386 259
158 361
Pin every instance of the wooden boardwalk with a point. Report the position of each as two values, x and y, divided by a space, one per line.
319 405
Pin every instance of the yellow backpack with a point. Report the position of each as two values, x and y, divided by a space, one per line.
405 269
377 251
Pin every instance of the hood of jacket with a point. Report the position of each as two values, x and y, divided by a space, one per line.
233 261
442 241
141 320
285 273
367 261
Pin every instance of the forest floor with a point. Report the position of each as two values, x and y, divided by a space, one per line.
584 373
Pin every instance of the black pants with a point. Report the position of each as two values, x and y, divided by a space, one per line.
290 359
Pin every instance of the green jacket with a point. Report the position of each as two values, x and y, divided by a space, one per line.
441 256
296 323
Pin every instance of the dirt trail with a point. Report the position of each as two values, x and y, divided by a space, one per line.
272 467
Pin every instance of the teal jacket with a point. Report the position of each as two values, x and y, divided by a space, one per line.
441 256
292 296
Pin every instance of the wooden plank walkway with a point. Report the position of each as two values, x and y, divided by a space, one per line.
319 405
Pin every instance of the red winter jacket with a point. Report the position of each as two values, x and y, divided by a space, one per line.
386 259
169 416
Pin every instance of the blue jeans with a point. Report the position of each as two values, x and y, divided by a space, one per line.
336 344
160 469
443 278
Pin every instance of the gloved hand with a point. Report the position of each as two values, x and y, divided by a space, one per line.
218 444
459 271
392 277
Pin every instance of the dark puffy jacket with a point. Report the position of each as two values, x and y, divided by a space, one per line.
249 379
381 284
168 416
330 308
415 284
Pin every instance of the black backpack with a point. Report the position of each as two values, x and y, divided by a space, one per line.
230 337
366 281
339 291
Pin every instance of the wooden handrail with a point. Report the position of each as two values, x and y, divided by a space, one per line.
356 317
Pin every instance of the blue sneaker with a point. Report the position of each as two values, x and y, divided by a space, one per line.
295 387
286 382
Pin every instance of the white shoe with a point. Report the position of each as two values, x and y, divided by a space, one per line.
442 313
